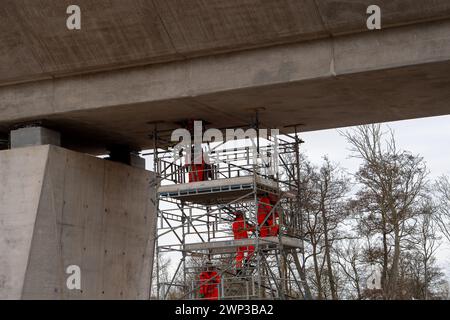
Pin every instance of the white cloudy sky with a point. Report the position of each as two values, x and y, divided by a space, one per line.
429 137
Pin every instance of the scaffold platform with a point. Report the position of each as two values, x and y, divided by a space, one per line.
220 190
196 221
267 242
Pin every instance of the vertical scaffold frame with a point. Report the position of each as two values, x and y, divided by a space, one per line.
194 221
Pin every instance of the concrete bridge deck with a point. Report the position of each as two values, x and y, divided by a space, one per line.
297 61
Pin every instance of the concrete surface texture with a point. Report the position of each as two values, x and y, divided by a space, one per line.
34 136
296 61
117 33
60 208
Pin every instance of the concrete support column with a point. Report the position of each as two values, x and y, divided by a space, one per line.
60 208
34 136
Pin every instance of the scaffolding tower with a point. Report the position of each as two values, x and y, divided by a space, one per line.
195 219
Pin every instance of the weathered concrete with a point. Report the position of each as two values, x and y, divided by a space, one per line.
34 136
137 161
21 175
61 208
395 74
116 33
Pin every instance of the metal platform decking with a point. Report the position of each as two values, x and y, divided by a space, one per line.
218 191
231 244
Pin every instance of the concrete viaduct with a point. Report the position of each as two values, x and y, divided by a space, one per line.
138 62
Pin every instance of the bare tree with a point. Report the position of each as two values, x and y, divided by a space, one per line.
323 208
426 240
164 266
413 285
391 181
333 188
351 261
442 188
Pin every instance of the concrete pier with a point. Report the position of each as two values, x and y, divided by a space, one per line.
60 208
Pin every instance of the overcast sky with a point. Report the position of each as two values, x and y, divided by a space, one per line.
428 137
